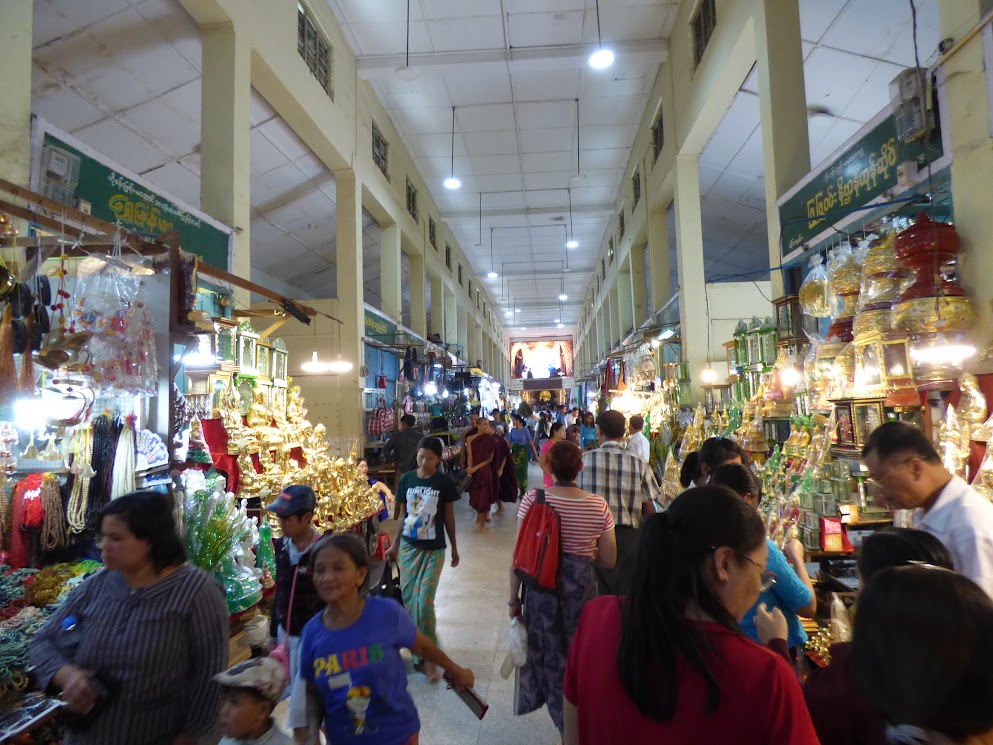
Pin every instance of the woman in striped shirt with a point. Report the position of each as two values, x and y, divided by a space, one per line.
134 647
587 539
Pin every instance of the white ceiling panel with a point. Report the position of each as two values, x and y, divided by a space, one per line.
560 161
834 137
391 37
627 110
278 132
423 120
492 143
547 140
546 114
175 26
479 84
264 155
118 77
603 158
876 88
459 34
832 78
371 11
631 22
496 164
460 8
423 92
54 18
529 6
275 185
485 118
259 110
127 148
531 84
608 137
177 180
499 182
816 17
58 104
171 120
545 29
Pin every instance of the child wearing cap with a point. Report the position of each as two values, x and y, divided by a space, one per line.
249 693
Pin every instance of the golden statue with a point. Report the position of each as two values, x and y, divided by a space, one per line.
972 405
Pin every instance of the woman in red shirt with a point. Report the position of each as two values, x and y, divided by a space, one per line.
669 663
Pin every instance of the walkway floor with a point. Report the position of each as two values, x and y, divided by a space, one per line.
473 629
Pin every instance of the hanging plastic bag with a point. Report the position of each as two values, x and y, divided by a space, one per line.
815 299
518 654
844 271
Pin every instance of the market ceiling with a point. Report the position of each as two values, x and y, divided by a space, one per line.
139 103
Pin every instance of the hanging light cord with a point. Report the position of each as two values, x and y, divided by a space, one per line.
492 265
453 149
577 132
407 62
599 38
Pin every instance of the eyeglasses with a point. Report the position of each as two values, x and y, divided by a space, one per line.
768 577
877 484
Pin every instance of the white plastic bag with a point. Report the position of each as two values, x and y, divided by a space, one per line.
518 654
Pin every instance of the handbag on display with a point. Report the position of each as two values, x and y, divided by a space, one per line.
382 419
381 381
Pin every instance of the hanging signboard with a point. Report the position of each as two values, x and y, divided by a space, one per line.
863 171
379 328
68 171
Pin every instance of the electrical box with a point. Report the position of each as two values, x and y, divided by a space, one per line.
908 93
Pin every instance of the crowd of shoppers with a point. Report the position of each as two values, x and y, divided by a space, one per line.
673 623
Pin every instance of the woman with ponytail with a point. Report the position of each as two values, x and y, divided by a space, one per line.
700 465
669 663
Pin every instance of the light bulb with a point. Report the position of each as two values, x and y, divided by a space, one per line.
406 73
491 275
708 375
572 243
444 393
430 388
561 326
517 310
314 365
508 313
656 343
601 59
563 296
791 377
339 365
452 183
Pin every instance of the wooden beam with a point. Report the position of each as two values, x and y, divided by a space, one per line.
71 213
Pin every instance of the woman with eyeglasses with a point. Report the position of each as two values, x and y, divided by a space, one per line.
669 663
786 584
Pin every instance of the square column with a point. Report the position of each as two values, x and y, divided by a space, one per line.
390 272
693 321
615 317
639 282
782 109
463 334
437 325
451 330
625 307
658 258
348 262
418 300
15 92
225 174
478 331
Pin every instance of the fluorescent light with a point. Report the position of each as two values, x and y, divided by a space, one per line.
508 313
563 296
601 59
517 310
667 334
491 275
572 243
561 325
558 320
452 183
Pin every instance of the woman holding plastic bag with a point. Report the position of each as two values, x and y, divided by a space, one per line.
550 618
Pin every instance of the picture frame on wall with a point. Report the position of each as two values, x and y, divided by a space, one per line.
867 416
844 428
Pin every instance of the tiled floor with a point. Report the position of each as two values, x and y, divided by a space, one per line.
473 629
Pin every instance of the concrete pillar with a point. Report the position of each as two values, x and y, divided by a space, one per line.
967 128
437 306
783 112
451 332
478 331
639 282
390 273
463 319
471 350
625 305
615 316
225 174
418 282
658 255
602 319
689 249
15 92
348 260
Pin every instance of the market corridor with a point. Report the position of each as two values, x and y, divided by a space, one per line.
472 628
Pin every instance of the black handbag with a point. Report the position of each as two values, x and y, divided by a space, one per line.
463 484
389 583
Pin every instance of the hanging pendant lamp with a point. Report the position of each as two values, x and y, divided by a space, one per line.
493 272
602 58
452 183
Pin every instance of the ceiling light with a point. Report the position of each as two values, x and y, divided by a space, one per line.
452 183
572 243
524 328
314 365
430 388
507 313
601 59
708 375
561 325
558 320
563 296
491 275
517 310
339 365
667 334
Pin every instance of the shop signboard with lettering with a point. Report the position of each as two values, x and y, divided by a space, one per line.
378 328
864 171
67 171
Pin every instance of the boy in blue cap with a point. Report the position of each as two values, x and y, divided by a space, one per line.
295 510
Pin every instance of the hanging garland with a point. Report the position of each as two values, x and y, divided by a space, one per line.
79 496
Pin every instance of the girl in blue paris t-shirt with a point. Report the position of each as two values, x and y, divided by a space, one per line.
350 653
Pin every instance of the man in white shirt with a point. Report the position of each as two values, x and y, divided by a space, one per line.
638 443
573 417
907 473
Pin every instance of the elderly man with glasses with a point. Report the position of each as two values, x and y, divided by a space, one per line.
906 472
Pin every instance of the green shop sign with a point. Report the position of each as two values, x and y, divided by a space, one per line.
866 170
379 328
67 173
